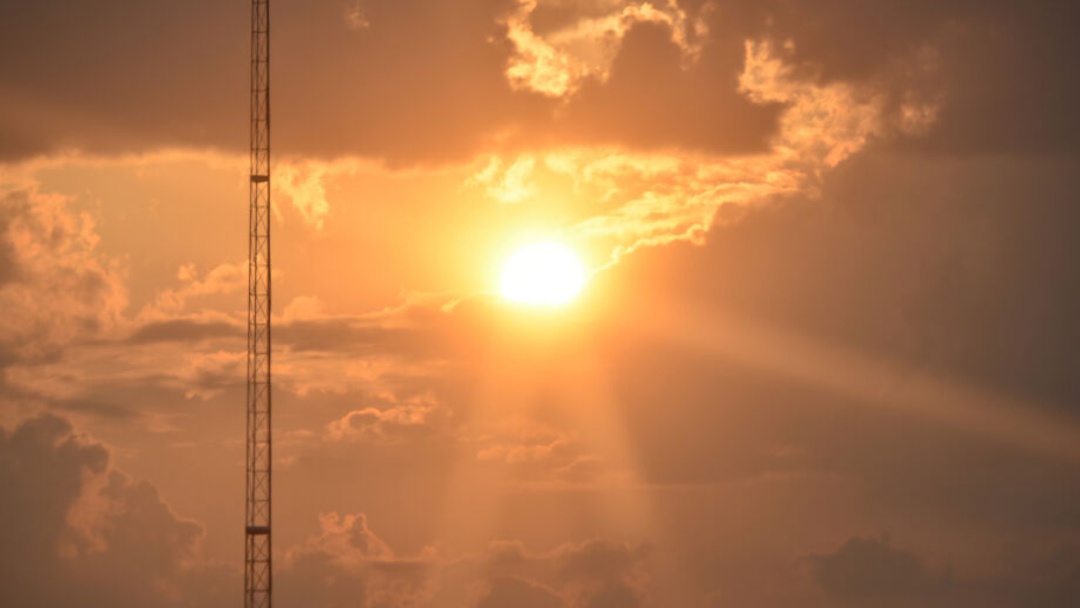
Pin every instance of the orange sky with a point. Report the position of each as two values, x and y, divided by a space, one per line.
826 355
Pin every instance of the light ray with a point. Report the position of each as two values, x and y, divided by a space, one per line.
878 383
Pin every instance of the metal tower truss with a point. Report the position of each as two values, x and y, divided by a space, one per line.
257 547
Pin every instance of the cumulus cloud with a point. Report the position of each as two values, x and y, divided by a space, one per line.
346 563
392 422
225 278
595 573
55 286
80 531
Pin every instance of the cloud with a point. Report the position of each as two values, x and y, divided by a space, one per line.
533 453
507 575
873 572
56 288
872 568
615 595
184 330
78 530
303 184
988 64
596 573
437 82
649 194
523 454
225 278
926 265
81 530
509 592
209 374
346 562
557 62
391 422
94 407
355 17
355 93
511 184
1044 577
600 560
362 335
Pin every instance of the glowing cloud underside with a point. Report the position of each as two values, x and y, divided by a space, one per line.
542 274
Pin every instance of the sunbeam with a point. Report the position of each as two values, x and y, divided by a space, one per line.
875 383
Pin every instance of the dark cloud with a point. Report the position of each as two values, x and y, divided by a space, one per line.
1010 86
447 327
518 593
872 572
76 530
655 99
421 83
1041 578
1003 70
77 75
615 595
601 560
872 568
351 336
606 574
427 328
597 573
426 83
94 407
184 330
956 266
951 268
936 266
8 255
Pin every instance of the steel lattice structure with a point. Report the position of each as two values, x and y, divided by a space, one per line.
257 546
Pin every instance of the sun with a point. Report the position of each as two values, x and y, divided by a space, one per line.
542 274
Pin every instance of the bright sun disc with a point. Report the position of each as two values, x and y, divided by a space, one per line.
544 274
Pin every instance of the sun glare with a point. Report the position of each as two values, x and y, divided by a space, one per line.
542 274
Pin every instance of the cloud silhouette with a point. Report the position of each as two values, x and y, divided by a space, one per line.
80 531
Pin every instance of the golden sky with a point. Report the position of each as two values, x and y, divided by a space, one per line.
824 353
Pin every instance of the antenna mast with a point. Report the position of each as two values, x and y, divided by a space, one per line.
257 547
